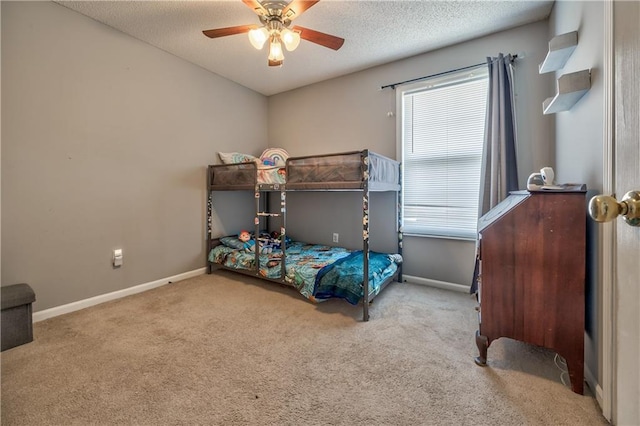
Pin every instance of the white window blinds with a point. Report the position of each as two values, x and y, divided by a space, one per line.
442 134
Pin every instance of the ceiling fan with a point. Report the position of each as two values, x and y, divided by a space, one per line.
276 17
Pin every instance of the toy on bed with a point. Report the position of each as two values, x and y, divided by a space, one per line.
271 165
275 240
250 245
271 157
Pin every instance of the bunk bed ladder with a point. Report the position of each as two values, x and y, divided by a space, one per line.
267 214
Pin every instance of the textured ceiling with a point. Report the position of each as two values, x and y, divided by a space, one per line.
375 32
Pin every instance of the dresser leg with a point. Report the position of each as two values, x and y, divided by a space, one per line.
575 366
482 343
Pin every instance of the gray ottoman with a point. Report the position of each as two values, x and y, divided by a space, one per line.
17 325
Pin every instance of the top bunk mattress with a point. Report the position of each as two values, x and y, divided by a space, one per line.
343 171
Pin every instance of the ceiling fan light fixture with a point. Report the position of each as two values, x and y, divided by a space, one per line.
258 37
275 50
291 39
275 17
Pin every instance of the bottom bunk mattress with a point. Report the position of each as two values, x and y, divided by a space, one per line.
319 272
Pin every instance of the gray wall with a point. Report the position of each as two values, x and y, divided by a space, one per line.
580 140
350 113
105 139
104 145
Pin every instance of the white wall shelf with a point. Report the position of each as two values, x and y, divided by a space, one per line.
570 88
560 48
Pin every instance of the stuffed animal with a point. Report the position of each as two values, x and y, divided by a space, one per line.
250 244
245 237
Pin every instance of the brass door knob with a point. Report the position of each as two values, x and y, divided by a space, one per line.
603 208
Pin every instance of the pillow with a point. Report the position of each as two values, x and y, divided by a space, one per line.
237 157
274 157
232 242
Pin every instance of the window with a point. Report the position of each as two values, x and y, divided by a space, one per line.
441 127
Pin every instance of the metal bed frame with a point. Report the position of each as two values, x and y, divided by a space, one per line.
248 180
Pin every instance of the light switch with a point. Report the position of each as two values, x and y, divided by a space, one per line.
117 257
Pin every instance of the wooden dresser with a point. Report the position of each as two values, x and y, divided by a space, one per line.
532 275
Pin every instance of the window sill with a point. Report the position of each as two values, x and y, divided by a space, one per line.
439 237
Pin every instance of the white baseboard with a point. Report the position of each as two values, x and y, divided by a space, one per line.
92 301
593 384
435 283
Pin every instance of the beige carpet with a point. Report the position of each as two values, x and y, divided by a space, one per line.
224 349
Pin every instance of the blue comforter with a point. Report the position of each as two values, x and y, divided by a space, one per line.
343 278
318 272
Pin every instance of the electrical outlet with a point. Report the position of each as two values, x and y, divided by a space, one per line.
336 237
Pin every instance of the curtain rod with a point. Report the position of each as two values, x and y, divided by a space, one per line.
393 85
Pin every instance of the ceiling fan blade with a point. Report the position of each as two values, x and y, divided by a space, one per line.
326 40
296 7
273 63
222 32
255 6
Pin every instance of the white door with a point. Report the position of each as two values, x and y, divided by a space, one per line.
626 291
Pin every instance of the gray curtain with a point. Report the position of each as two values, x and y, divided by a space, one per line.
499 173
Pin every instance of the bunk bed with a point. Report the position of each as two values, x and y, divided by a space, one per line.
318 272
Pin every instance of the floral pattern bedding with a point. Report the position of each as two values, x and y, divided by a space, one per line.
319 272
271 175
